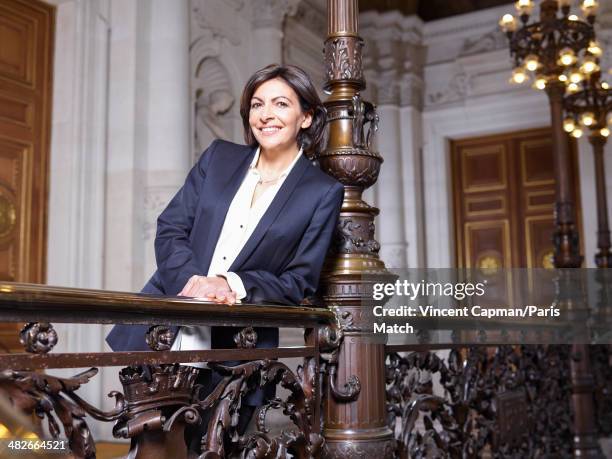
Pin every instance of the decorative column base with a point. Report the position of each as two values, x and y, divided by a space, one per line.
586 444
377 444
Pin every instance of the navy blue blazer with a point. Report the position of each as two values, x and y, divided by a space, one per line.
281 261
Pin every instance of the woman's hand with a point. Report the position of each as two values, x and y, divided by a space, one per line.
212 288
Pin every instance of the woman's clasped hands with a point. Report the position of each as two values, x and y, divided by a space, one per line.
209 288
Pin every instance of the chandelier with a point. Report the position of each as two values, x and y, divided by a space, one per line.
559 48
589 108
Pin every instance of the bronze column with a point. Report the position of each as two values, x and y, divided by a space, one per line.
603 258
566 240
355 416
567 255
566 245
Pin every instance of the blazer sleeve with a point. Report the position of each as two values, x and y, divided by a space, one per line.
173 252
301 276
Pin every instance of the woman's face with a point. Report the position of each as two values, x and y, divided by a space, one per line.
276 116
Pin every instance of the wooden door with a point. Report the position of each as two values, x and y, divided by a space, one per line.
26 52
504 192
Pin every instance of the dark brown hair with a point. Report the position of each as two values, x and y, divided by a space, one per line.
310 139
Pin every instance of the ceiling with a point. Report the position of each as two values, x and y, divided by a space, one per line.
429 10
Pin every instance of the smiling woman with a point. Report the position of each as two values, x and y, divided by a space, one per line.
251 223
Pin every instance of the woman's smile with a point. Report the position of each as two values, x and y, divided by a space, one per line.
269 130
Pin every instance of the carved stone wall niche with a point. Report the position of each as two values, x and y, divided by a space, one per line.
214 104
394 58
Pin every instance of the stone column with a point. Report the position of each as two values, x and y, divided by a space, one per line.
390 191
166 126
78 172
268 17
394 66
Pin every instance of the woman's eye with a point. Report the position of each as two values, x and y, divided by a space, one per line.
255 105
283 104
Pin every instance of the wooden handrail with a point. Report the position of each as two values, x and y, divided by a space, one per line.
20 302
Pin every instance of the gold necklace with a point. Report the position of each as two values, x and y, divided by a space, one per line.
263 182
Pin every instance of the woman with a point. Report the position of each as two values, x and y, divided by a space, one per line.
251 223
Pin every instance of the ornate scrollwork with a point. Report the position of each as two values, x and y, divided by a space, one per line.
55 399
513 404
349 391
352 167
343 59
355 235
160 396
363 113
360 449
38 337
159 337
224 402
246 338
330 340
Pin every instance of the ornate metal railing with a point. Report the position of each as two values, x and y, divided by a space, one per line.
506 401
160 398
442 400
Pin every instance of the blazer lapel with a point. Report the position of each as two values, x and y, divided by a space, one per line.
273 210
224 199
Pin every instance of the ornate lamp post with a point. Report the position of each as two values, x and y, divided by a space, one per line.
589 108
554 49
558 51
354 417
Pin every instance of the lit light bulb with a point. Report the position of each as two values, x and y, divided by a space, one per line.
589 7
567 56
539 83
508 23
589 65
604 132
594 48
563 78
531 62
577 133
524 6
569 124
519 76
573 17
575 77
587 119
605 85
572 87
